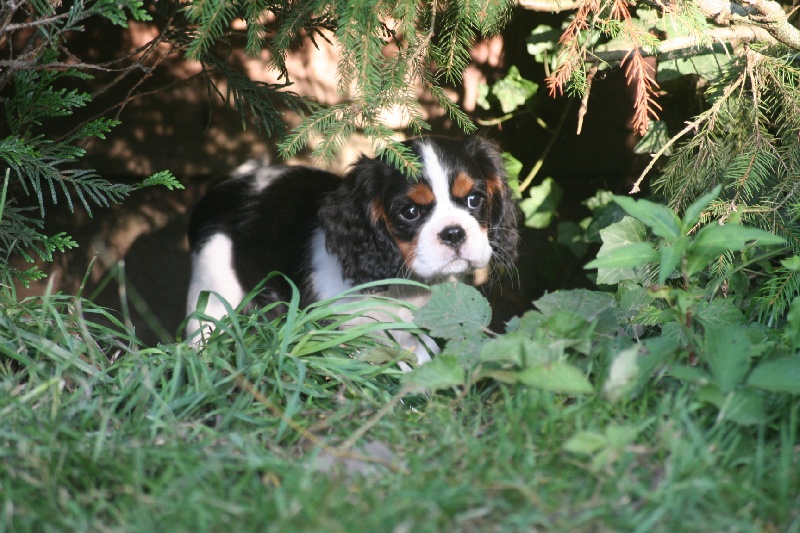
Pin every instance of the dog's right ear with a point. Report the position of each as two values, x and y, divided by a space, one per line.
358 238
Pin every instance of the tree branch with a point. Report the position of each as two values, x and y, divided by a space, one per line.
766 14
549 6
680 46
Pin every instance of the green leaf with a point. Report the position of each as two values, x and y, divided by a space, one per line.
709 64
513 90
582 302
618 235
728 356
556 376
540 207
670 256
778 375
542 39
744 406
586 443
455 311
513 167
719 312
714 240
656 137
693 212
510 348
661 220
633 255
443 372
164 178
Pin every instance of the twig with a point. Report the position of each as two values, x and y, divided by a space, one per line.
585 98
549 6
538 165
369 424
668 49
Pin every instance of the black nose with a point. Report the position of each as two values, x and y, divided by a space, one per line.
452 236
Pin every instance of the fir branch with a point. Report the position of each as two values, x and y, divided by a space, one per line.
691 126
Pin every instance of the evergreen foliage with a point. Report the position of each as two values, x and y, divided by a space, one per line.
387 50
36 162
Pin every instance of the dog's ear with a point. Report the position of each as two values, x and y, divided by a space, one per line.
504 213
354 231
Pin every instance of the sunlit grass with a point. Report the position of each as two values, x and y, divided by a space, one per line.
254 431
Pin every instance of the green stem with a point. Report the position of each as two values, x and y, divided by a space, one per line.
538 166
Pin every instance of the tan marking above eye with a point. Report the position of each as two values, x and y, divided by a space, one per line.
462 185
421 194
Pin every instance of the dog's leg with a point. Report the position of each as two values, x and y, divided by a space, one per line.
212 270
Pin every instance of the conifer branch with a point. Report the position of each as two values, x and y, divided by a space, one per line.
691 126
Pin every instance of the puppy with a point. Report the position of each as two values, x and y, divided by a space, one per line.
329 234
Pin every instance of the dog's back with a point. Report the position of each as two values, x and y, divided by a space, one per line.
250 225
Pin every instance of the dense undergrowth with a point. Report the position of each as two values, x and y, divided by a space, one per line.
601 410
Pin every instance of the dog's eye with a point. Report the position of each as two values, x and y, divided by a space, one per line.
410 213
474 201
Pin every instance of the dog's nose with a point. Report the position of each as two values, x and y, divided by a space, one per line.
452 236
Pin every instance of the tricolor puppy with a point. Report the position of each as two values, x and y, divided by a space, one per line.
328 234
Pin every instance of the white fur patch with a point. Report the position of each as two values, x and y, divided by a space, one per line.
326 272
212 270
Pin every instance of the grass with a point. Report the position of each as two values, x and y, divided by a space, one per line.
98 433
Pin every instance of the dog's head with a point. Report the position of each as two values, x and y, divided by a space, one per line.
456 217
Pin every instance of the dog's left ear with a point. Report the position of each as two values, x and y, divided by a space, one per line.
353 232
503 210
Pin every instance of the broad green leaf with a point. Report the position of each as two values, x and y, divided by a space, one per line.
728 356
708 65
690 374
670 258
542 39
693 212
563 330
714 240
513 90
633 255
744 406
510 348
656 137
585 303
443 372
586 442
556 376
661 220
791 263
540 208
618 235
778 375
719 312
513 167
455 311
